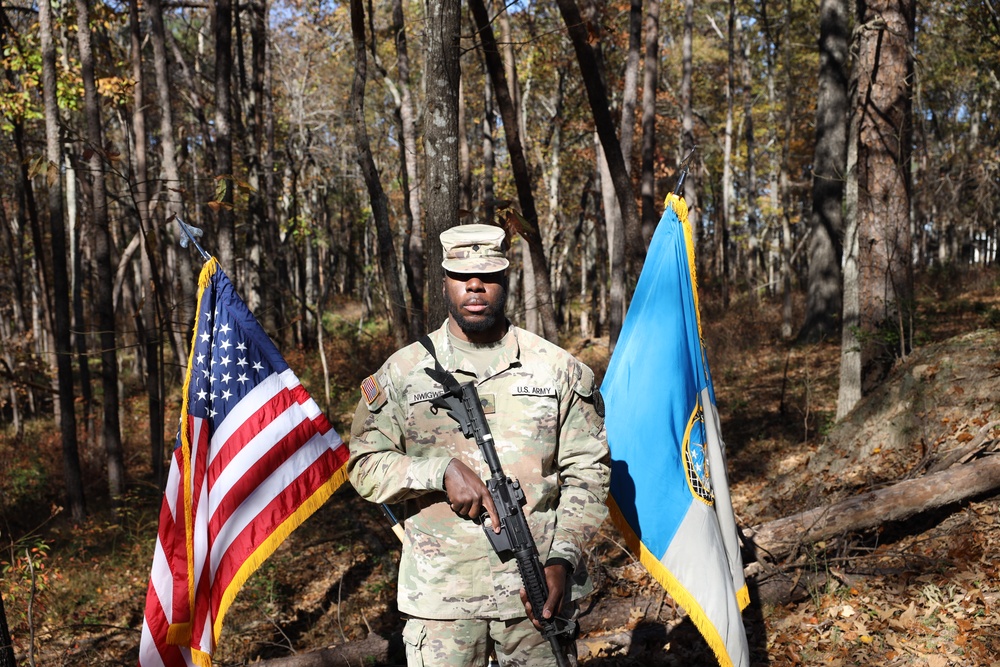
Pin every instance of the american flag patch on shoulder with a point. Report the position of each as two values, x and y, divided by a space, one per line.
370 389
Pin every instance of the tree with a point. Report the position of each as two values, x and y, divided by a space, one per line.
60 274
527 227
598 98
380 210
882 244
111 431
441 190
650 210
222 25
823 305
413 252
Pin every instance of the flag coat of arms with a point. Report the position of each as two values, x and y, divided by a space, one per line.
669 492
254 458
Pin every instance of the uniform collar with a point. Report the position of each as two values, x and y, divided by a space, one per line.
508 353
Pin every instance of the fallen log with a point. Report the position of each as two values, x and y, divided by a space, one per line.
893 503
372 650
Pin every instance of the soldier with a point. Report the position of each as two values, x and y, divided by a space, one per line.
547 421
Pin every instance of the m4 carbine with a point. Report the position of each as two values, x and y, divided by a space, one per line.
514 539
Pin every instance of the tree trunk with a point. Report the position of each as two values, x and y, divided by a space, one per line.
726 214
601 110
264 270
7 657
379 202
102 257
630 89
823 303
615 231
752 214
687 121
440 143
519 167
489 130
60 272
222 25
884 255
849 384
650 207
183 282
414 254
373 650
148 322
893 503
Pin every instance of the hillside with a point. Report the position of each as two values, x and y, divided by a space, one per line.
920 592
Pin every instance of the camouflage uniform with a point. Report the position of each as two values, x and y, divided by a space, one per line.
540 405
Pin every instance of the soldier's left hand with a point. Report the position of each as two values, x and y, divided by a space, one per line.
555 578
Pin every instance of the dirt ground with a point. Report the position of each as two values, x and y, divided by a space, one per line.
921 592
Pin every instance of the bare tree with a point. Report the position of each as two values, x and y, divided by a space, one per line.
183 281
823 305
111 432
650 210
600 108
882 112
440 182
223 28
60 272
413 253
529 230
380 206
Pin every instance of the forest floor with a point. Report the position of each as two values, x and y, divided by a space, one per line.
921 592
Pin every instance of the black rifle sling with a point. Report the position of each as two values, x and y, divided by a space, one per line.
447 380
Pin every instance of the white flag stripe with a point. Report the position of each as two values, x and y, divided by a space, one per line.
201 536
291 381
170 490
255 399
162 580
267 491
149 656
249 456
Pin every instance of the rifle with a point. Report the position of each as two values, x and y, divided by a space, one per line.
514 539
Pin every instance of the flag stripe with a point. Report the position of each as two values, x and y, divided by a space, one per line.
235 489
242 544
295 477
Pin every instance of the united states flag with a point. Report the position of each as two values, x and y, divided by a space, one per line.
254 458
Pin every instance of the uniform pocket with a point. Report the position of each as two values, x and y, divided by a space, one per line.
414 636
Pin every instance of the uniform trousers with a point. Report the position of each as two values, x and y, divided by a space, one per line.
468 642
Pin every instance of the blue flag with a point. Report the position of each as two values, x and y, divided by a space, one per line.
669 492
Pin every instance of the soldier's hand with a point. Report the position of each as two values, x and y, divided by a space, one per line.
555 578
467 493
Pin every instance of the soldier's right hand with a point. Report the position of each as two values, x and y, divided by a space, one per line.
467 493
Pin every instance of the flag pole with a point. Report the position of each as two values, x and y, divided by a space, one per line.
684 171
187 230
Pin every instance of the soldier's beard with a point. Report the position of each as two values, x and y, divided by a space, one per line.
484 321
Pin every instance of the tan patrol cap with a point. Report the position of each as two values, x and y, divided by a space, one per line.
474 249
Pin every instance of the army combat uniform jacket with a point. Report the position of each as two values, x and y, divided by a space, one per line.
549 435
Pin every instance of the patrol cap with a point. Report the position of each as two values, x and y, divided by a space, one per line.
474 248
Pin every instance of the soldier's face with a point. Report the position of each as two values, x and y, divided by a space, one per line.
476 305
